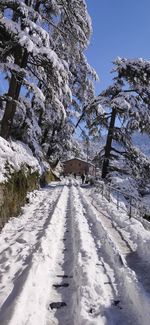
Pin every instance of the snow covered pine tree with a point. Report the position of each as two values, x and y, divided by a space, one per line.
122 108
48 77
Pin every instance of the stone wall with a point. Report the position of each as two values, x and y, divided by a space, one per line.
13 193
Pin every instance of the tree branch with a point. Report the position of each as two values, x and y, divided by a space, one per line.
117 151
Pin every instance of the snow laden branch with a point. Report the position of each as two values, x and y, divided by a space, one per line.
121 109
45 69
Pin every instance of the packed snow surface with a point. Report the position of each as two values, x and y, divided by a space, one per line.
71 258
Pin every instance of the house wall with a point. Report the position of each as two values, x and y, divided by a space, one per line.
77 166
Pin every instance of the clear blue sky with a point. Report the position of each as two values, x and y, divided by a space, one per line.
120 28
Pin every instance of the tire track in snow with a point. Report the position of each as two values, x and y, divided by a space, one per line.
75 263
126 247
135 261
20 253
86 301
98 297
126 279
64 286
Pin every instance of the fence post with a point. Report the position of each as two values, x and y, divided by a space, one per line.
109 193
118 200
102 190
130 212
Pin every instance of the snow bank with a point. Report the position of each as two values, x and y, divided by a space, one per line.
133 229
13 156
130 286
124 183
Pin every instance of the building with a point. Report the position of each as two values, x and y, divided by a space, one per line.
78 166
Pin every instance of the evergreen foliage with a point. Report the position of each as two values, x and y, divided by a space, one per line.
122 109
48 78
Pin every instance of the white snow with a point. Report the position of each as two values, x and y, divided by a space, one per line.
13 156
72 258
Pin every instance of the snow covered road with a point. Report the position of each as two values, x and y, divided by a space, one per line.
69 260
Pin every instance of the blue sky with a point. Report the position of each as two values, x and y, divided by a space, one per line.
120 28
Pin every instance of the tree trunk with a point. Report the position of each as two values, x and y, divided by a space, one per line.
21 57
108 144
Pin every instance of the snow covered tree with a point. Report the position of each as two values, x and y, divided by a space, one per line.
121 109
42 57
23 40
136 73
76 24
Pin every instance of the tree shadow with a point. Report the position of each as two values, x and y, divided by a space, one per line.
141 268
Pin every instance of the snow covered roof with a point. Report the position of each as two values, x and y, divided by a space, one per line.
85 161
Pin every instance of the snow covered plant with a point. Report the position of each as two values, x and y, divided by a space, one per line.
42 61
122 109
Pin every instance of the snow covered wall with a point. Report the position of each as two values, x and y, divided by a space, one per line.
19 174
